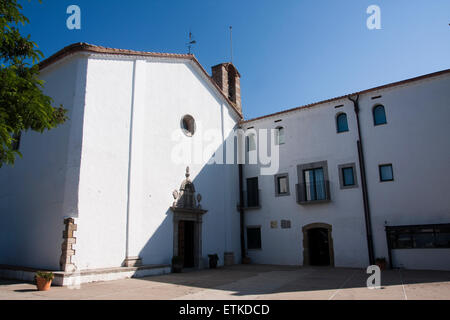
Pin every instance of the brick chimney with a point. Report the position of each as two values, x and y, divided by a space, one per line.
228 79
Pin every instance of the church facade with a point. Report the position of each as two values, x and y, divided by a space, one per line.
140 173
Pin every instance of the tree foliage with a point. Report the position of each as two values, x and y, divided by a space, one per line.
23 106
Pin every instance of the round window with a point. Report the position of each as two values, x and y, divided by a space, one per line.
188 125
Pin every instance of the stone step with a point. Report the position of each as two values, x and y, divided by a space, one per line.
63 278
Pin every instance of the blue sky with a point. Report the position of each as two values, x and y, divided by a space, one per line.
289 53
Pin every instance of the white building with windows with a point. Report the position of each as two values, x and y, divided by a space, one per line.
319 210
107 194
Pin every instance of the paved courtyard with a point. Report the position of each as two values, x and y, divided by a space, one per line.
252 282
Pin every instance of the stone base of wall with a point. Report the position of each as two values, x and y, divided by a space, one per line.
132 262
85 276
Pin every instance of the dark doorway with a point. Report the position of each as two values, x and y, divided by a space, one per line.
186 242
319 249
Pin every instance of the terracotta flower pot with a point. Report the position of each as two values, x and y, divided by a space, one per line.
43 284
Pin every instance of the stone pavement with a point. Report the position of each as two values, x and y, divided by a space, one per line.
251 282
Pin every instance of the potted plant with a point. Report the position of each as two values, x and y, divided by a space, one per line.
44 280
177 264
213 258
381 263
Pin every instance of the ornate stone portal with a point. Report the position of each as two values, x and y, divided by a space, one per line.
187 223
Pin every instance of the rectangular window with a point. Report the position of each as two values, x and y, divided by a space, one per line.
419 237
315 184
281 184
348 177
254 237
252 192
386 173
285 224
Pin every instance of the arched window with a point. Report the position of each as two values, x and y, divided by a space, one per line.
379 115
279 135
251 142
341 122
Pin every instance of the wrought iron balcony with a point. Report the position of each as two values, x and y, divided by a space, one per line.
318 192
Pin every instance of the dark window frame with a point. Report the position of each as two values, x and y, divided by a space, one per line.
394 234
258 242
277 135
301 193
373 115
315 184
342 178
338 128
277 186
379 172
252 201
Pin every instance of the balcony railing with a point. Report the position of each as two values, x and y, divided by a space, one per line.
317 192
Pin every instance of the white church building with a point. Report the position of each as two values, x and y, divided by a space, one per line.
108 194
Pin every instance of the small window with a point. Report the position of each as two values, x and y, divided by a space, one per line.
386 173
341 123
279 135
379 115
252 192
281 184
188 125
347 176
251 142
254 237
285 224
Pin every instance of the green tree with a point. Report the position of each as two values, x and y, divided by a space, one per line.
23 106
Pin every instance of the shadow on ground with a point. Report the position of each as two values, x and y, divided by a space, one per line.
245 280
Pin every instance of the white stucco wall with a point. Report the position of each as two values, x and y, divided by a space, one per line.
310 137
41 189
421 259
133 106
110 166
414 140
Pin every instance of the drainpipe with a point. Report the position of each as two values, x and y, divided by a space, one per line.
241 210
365 193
